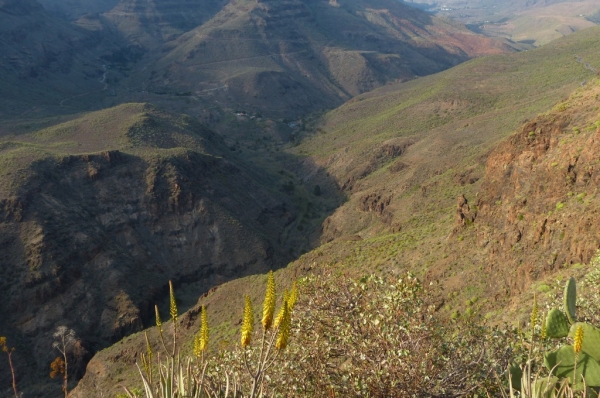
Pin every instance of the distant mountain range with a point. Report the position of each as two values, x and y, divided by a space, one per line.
531 22
285 58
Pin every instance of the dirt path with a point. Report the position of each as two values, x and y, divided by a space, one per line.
103 80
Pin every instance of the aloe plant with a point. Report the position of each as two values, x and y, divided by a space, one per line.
579 363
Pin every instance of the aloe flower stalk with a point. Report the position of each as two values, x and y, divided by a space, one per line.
279 317
269 303
158 320
247 324
284 328
172 303
203 336
293 296
534 313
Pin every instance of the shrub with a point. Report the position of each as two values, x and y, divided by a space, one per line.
379 337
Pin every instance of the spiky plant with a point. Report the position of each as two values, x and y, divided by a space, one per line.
147 359
577 344
534 314
181 377
174 315
293 296
275 333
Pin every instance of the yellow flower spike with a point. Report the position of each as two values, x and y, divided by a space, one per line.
197 344
248 323
293 296
284 328
534 313
279 317
203 337
158 321
147 361
269 303
578 340
544 333
148 346
173 303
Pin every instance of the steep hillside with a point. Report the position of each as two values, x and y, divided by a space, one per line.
404 150
94 225
293 57
412 159
538 209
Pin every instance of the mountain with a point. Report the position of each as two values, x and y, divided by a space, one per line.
436 123
142 22
414 160
282 59
289 58
99 212
480 179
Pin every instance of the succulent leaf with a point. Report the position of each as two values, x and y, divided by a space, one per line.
557 324
516 374
562 361
569 299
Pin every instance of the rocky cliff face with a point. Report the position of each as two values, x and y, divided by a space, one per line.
538 207
537 210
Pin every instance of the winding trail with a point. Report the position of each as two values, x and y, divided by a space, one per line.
103 80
